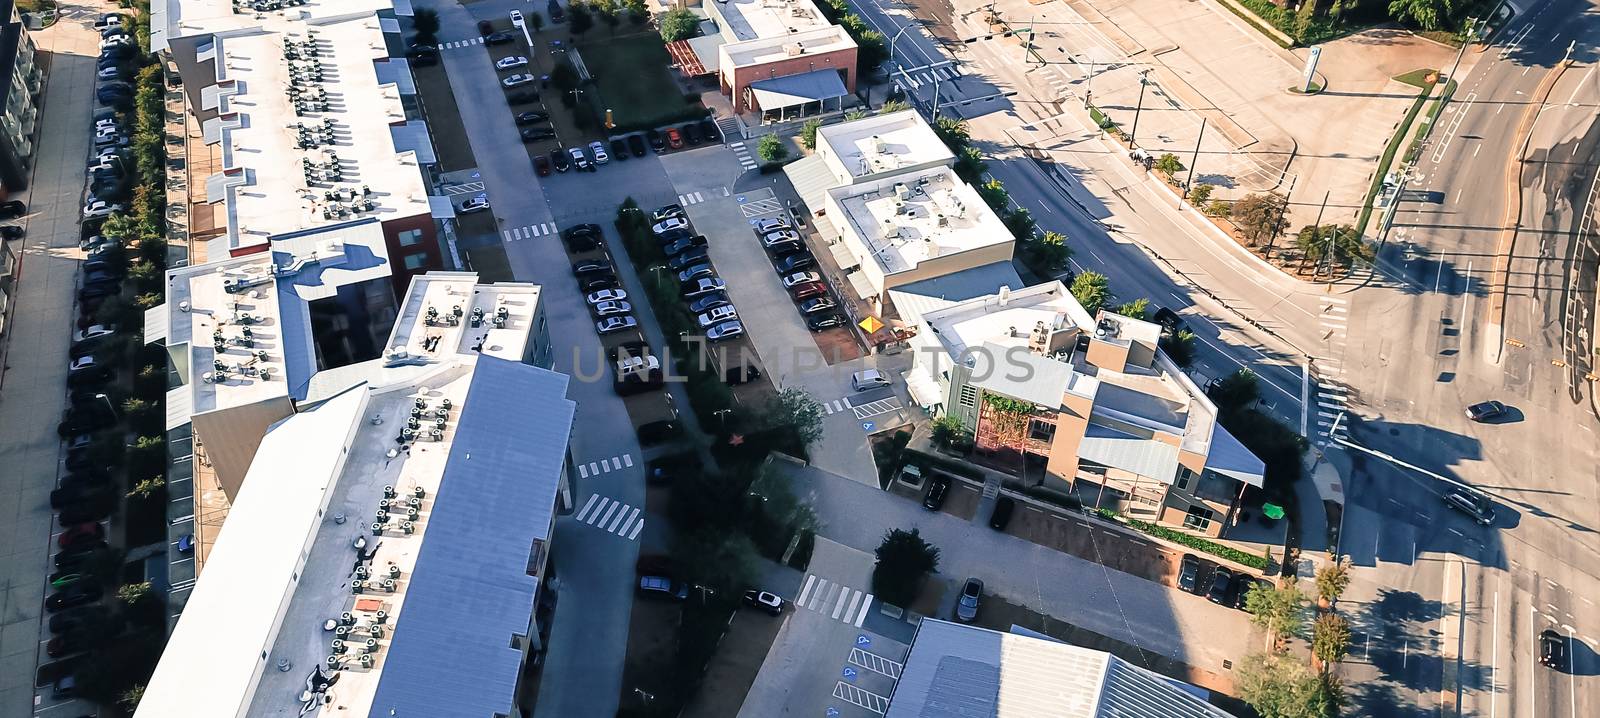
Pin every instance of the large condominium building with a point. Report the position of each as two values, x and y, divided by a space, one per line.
19 109
780 58
1083 404
385 551
298 118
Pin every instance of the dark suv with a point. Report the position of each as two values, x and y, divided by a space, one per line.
1188 573
1471 503
938 488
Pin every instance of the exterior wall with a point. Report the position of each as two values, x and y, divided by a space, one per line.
1107 355
19 119
952 263
425 251
735 81
231 436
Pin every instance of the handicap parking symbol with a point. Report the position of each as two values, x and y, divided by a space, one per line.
868 426
863 640
849 673
833 712
475 175
741 199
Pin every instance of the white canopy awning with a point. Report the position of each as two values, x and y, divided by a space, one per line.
924 390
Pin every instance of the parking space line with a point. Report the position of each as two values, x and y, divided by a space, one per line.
876 663
636 529
864 698
806 589
586 506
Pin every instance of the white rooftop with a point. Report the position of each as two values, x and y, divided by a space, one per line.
752 19
428 324
351 114
882 144
809 41
908 219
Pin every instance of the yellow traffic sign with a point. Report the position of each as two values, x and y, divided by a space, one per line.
870 324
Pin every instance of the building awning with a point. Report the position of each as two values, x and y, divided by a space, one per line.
1231 458
1146 458
155 324
843 257
695 56
924 390
858 282
780 92
441 207
812 179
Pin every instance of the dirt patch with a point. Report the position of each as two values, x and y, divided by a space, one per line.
652 650
1087 541
733 669
444 119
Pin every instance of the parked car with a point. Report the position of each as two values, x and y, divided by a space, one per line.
767 225
579 159
556 12
709 129
1003 508
500 38
82 420
11 231
938 487
612 325
715 316
791 263
636 145
560 161
530 117
1486 410
657 142
507 63
764 600
606 295
77 595
655 432
1241 589
1471 503
541 165
80 531
701 287
825 321
678 247
619 150
696 271
780 236
100 208
817 305
536 134
668 211
611 308
967 605
725 331
72 642
83 617
674 139
597 282
691 256
800 292
741 374
584 238
591 266
474 204
1221 583
106 20
599 152
662 587
516 80
868 379
709 302
669 224
624 350
524 97
1552 649
691 134
1188 573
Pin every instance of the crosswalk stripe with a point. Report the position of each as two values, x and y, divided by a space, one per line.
822 588
851 609
507 234
636 529
583 471
863 615
604 501
627 459
618 522
616 463
614 506
586 506
593 469
806 589
605 466
627 523
838 607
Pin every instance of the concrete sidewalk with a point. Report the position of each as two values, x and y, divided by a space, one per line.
34 389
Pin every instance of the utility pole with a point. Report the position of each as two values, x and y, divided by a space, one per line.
1466 40
1134 134
1273 237
1316 232
1088 85
1193 160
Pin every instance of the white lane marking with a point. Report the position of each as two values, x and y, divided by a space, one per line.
586 506
863 615
636 529
603 519
806 589
618 521
604 501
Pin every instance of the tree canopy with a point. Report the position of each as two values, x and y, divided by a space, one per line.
904 557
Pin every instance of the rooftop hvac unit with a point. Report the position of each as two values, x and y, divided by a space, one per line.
1107 328
334 663
878 145
943 221
1004 295
794 49
901 191
1039 338
380 617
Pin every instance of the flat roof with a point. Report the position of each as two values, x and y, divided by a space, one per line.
339 149
809 41
428 323
174 19
1005 319
300 533
954 671
752 19
907 219
883 143
265 295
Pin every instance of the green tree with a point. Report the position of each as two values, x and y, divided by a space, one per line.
953 131
535 21
795 411
1279 610
1179 347
970 165
1260 216
579 18
771 149
1278 686
896 105
147 487
1021 223
1330 639
679 24
723 561
1092 290
426 21
1239 390
607 11
131 593
564 76
130 698
1138 308
1332 580
1051 249
1200 194
904 558
948 431
994 194
1168 163
808 133
856 115
1303 19
1427 14
638 11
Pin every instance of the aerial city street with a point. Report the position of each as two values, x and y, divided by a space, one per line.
762 358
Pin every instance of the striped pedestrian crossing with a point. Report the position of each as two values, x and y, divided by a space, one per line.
605 466
454 44
691 198
928 77
834 600
518 234
611 516
743 153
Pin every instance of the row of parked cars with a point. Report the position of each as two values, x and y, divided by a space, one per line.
110 184
797 270
1223 586
689 258
589 159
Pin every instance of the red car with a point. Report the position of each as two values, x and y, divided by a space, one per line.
674 139
541 164
808 290
91 530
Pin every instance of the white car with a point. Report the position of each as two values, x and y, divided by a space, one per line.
81 363
476 204
109 19
507 63
94 332
670 224
799 278
612 308
116 41
770 224
599 152
517 80
579 159
615 324
716 316
606 295
516 17
99 208
868 379
109 73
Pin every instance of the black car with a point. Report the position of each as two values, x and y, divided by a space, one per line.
1189 573
592 266
560 160
422 58
628 349
500 38
656 432
597 282
619 151
938 487
1003 507
1221 582
75 558
121 49
78 594
537 134
1486 410
1169 320
657 143
13 209
83 420
709 302
1552 650
696 271
91 616
709 129
694 255
691 134
75 494
93 509
485 28
1241 589
583 238
684 245
529 118
1471 503
817 305
522 97
98 291
743 374
792 263
636 145
779 249
11 231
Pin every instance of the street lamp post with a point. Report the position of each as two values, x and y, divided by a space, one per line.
1144 81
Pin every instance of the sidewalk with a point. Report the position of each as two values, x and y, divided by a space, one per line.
36 361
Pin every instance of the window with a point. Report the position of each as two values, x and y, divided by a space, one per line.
1041 430
1199 518
415 261
969 395
409 237
1185 476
